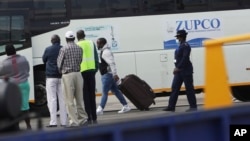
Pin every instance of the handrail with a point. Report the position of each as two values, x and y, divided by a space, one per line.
217 91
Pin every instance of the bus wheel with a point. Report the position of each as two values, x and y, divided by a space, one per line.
241 93
40 95
40 104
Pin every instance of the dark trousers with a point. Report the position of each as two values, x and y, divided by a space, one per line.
89 94
179 78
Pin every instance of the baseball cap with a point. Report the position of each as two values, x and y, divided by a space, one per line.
181 33
69 35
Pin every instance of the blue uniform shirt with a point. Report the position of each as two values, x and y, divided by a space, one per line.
182 58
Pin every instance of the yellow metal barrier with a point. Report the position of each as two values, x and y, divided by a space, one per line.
217 91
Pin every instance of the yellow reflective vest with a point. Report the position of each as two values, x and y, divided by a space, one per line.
88 58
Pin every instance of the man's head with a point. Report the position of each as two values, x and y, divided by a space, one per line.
80 34
69 35
181 35
55 39
101 42
10 49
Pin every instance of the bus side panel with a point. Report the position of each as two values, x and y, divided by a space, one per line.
237 60
153 67
198 60
156 67
31 77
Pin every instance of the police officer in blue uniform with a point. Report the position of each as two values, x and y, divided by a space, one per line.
183 72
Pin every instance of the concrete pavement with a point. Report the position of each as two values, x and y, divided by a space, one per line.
113 105
110 112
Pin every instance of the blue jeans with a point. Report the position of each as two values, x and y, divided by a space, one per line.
108 83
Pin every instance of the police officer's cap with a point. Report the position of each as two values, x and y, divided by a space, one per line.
181 33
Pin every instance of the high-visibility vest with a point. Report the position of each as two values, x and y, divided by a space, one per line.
88 56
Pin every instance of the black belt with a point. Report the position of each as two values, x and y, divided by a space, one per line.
70 72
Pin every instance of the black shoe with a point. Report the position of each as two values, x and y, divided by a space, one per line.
89 122
169 109
94 122
191 110
49 126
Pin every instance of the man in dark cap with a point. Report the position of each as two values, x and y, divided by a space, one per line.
183 72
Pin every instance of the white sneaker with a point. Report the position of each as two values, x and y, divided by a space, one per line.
124 109
99 111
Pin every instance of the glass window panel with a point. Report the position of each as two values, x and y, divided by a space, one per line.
244 3
89 8
4 31
123 7
17 28
4 28
159 6
49 9
225 4
192 5
15 3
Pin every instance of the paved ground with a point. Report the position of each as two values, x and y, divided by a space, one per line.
110 113
111 116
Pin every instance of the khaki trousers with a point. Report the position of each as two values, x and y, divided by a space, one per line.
72 84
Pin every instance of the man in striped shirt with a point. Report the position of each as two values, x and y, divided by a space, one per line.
68 62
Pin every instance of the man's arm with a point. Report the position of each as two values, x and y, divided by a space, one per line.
185 57
96 58
27 64
108 57
60 60
45 56
1 70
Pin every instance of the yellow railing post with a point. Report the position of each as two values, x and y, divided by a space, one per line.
217 91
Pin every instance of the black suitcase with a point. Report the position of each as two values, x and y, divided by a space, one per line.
137 91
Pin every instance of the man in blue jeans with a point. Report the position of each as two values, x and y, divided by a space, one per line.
109 78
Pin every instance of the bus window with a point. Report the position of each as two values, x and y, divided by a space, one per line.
159 6
4 29
4 32
244 3
12 30
4 4
17 28
103 8
93 8
192 5
49 9
225 4
123 7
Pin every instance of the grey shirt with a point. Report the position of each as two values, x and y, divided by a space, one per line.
16 68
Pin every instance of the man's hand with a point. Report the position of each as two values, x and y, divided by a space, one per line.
116 77
176 70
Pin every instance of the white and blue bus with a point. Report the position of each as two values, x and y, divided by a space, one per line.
140 33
